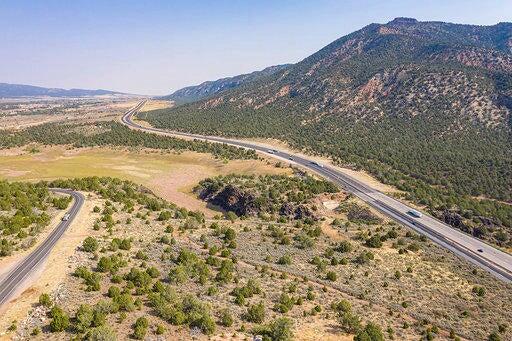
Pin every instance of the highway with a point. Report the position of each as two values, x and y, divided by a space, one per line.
23 269
472 249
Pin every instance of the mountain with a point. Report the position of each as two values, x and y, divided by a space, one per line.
20 90
211 88
424 106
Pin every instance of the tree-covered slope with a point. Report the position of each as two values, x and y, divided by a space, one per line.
424 106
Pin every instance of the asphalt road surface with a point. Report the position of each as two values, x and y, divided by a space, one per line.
22 270
474 250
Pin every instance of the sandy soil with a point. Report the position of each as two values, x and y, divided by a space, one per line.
320 329
54 270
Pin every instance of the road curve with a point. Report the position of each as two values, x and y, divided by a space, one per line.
474 250
17 275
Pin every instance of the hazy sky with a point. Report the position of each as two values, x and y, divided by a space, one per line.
155 47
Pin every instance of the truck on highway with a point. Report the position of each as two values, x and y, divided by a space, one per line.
317 164
414 213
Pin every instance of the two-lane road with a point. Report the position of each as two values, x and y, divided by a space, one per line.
22 270
474 250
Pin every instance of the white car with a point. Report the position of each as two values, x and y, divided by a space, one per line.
65 217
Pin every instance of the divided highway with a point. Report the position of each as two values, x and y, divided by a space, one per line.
474 250
22 270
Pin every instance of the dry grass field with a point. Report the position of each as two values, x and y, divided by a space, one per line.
168 175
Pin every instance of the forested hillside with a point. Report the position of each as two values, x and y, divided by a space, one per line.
424 106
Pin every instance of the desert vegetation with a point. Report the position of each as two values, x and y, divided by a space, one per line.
150 267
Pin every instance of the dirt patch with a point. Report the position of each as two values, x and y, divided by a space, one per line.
320 329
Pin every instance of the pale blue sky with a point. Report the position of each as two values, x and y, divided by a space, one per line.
155 47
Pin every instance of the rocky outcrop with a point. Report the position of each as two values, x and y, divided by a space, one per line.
286 209
303 211
232 198
454 219
245 203
297 212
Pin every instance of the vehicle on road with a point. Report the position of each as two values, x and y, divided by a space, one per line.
270 151
414 213
290 158
480 250
65 217
317 164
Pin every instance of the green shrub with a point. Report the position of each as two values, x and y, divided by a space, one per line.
140 328
350 323
371 332
494 337
342 307
331 276
160 329
285 303
225 274
344 246
60 319
374 241
226 319
125 302
45 300
479 291
278 330
255 313
84 317
285 260
101 333
90 244
153 272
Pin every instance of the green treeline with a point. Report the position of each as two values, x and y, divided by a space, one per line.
115 134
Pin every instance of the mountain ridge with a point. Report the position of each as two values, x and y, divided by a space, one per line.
9 90
210 88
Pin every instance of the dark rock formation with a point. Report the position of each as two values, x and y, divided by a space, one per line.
232 198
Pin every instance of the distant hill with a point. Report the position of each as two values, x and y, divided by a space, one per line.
210 88
424 106
20 90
